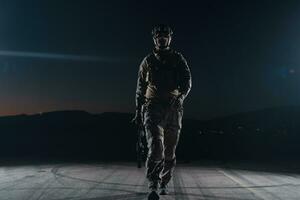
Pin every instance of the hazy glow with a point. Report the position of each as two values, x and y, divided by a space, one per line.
57 56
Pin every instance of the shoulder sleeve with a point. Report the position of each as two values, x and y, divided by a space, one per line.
185 77
141 85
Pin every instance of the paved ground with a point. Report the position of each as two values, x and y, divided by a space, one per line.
116 180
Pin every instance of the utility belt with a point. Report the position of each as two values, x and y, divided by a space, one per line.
165 101
160 99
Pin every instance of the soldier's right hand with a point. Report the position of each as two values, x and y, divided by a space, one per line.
137 119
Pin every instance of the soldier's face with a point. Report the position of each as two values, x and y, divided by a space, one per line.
162 41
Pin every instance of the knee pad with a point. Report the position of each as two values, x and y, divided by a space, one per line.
171 162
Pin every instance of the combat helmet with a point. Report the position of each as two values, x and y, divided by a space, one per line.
161 29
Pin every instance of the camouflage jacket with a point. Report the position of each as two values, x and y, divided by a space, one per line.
161 75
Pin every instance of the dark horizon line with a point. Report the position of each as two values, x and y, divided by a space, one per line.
84 111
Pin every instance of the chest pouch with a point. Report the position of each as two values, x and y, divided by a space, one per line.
162 74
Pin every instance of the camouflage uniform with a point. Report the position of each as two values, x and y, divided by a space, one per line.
163 75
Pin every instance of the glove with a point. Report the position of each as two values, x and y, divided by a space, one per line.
137 118
177 101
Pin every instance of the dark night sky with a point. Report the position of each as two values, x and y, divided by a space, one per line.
243 56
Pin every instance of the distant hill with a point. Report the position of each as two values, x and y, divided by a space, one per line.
266 120
269 133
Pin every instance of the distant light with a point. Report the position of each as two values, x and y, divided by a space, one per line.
292 71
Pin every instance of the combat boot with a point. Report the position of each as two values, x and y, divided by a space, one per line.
153 195
153 186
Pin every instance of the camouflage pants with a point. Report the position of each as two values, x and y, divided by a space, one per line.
163 125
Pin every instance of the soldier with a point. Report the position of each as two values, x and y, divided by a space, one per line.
164 81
